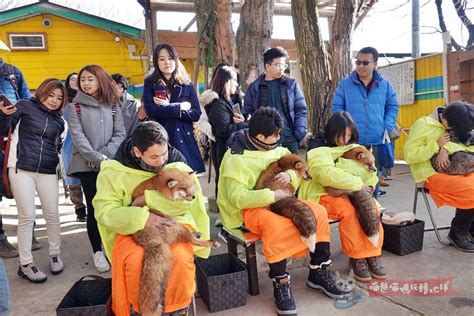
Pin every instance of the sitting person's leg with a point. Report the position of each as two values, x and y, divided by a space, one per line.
456 191
127 258
282 240
364 256
181 285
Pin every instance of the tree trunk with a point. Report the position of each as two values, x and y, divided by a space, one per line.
225 43
442 25
343 27
459 5
314 62
253 38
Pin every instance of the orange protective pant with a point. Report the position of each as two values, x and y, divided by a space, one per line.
455 191
279 235
355 243
127 258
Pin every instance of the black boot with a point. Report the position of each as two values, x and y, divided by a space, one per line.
284 301
459 233
319 277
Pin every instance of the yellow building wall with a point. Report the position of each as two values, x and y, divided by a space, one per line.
72 45
429 81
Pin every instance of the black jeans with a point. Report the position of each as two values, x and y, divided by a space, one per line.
88 182
321 254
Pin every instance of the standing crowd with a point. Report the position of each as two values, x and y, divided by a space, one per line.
91 127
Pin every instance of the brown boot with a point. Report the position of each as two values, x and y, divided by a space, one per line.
376 269
382 182
360 269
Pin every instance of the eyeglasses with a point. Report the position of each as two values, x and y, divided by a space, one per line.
281 66
364 63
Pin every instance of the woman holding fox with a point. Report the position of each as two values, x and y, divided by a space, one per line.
329 171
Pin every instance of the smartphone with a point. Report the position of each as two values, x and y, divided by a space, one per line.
161 94
6 102
236 109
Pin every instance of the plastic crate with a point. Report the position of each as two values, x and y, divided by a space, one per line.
222 282
404 240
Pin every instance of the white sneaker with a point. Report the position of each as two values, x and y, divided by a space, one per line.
56 265
100 262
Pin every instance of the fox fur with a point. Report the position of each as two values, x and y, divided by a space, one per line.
362 200
292 208
157 262
460 163
173 184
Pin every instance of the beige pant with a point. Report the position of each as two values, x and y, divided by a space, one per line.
24 184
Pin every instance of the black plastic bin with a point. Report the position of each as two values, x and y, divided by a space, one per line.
87 298
404 240
222 282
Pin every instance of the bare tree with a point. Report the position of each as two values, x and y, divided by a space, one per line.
314 61
253 38
460 7
216 37
320 70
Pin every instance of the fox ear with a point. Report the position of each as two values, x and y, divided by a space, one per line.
298 165
172 183
360 156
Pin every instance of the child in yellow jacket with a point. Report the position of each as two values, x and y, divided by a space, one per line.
251 151
328 169
430 136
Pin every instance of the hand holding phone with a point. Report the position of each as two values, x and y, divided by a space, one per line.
6 106
236 109
161 94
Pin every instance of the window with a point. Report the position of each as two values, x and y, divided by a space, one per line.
27 41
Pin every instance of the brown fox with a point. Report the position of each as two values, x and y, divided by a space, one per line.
175 185
301 214
460 163
362 200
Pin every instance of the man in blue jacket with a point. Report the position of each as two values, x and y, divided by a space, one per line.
370 99
13 85
275 89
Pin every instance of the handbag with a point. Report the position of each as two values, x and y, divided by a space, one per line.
87 298
5 188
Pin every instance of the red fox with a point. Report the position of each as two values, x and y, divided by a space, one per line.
301 214
175 185
362 200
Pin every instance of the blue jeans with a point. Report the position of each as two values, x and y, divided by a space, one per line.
4 291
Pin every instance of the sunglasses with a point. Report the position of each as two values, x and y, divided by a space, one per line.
364 63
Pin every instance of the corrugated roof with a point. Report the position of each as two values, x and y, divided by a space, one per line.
34 9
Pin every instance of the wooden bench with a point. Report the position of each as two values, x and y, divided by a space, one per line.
248 240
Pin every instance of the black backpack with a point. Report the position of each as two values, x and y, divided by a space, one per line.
11 75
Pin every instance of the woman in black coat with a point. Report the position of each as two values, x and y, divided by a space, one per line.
223 118
37 126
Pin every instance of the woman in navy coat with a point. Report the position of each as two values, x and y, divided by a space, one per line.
170 99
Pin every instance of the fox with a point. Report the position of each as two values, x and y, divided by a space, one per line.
292 208
362 200
174 185
461 162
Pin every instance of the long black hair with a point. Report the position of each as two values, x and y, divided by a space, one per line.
179 75
71 93
460 118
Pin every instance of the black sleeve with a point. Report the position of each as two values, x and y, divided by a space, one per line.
175 155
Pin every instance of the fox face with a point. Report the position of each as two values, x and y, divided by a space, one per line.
363 156
175 184
296 163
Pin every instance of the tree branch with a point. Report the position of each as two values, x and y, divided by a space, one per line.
442 25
